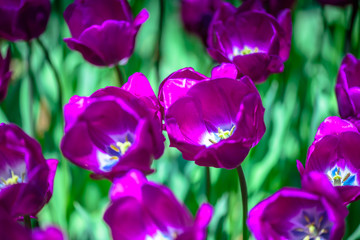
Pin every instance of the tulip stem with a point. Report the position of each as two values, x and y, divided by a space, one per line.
160 36
27 221
208 183
56 74
120 75
244 198
32 89
355 6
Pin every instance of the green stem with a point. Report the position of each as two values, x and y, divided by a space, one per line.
120 75
56 74
244 198
160 36
27 221
355 6
32 90
208 183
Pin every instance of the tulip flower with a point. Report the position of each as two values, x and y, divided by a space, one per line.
335 152
10 229
348 89
113 130
197 14
104 31
224 118
178 83
151 212
5 74
313 212
23 19
256 42
26 177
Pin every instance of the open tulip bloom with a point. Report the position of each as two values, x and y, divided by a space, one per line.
113 130
143 210
256 42
311 213
348 89
335 152
103 31
224 118
26 177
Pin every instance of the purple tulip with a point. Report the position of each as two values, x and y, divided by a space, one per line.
274 7
50 232
178 83
26 177
104 31
313 212
151 211
5 74
348 89
12 230
113 130
336 2
256 42
23 19
335 152
197 15
224 118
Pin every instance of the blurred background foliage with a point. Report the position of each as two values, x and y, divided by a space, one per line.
296 102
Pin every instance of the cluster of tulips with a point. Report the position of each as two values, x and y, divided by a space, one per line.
117 132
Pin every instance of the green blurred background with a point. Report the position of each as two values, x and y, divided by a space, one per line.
296 102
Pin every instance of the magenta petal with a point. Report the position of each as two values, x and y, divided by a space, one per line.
192 125
134 228
52 164
258 65
176 85
164 208
334 125
50 232
83 14
139 86
128 185
225 70
107 44
141 18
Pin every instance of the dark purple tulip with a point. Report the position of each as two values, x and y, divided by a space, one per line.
142 210
336 2
104 31
23 19
12 230
26 177
256 42
5 74
178 83
197 15
313 212
335 152
113 130
216 122
348 89
274 7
